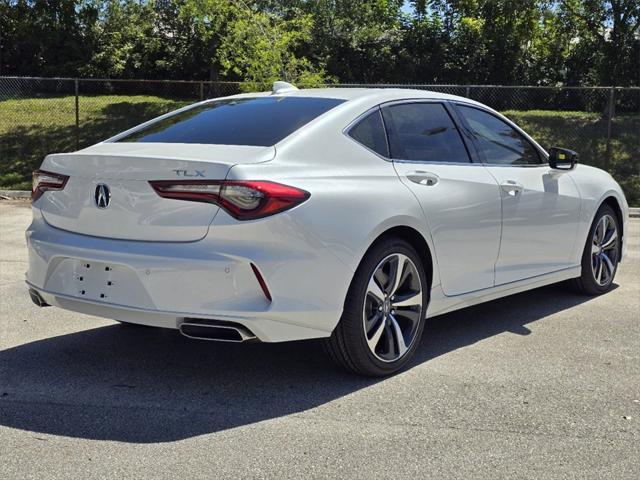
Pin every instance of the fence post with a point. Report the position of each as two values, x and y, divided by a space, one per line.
201 91
77 116
610 114
468 90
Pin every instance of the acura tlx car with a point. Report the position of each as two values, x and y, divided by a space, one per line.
351 215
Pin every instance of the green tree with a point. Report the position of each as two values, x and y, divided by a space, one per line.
124 38
575 42
258 45
45 38
357 41
422 53
607 38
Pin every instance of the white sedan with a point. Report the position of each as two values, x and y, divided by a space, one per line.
351 215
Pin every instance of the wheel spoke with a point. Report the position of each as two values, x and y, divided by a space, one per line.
388 340
375 338
397 275
401 346
410 300
595 249
610 242
606 261
599 273
605 227
601 230
375 290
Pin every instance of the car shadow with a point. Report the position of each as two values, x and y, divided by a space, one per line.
145 385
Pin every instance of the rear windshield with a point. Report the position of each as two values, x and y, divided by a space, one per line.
257 121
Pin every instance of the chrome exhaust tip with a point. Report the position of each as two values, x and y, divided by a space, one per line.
215 330
37 299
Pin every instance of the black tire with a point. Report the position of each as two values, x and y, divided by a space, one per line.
347 346
587 283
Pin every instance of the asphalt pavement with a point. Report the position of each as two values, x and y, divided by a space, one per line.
543 384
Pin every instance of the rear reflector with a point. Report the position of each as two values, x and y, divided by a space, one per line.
261 281
45 181
244 200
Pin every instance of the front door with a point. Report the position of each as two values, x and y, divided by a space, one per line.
540 205
460 199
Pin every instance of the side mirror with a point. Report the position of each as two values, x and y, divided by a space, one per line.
562 158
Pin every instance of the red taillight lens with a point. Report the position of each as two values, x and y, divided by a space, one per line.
244 200
43 181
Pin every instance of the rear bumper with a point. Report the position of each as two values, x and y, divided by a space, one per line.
266 330
160 284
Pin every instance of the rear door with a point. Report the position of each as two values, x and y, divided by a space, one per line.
540 205
460 198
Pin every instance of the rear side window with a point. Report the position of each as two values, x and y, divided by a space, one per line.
257 121
370 133
498 142
423 132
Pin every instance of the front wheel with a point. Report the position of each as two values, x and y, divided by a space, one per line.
601 254
384 313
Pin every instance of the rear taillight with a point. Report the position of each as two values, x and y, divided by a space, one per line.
43 181
244 200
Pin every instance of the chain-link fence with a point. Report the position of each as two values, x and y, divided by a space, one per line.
43 115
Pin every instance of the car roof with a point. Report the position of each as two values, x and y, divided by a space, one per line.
382 94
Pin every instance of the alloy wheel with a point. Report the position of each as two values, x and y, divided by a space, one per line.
393 307
604 251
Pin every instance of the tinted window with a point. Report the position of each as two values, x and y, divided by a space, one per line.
497 141
258 121
370 132
423 132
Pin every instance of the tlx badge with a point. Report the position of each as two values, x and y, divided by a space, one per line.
189 173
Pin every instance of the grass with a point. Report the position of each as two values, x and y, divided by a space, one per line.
31 128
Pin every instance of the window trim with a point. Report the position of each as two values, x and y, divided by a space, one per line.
542 154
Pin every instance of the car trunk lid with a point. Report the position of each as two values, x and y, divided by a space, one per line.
134 211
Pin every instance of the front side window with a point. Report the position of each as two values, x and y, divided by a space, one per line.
370 132
423 132
254 121
498 142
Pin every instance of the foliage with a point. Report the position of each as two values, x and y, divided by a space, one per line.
260 48
539 42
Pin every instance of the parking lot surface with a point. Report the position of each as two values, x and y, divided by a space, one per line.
544 384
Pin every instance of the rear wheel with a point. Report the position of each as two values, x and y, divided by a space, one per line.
601 254
384 311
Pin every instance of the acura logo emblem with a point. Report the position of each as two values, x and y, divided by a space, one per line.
102 196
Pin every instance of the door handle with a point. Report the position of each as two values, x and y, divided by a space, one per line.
423 178
512 188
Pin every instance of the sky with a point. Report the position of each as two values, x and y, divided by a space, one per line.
407 8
